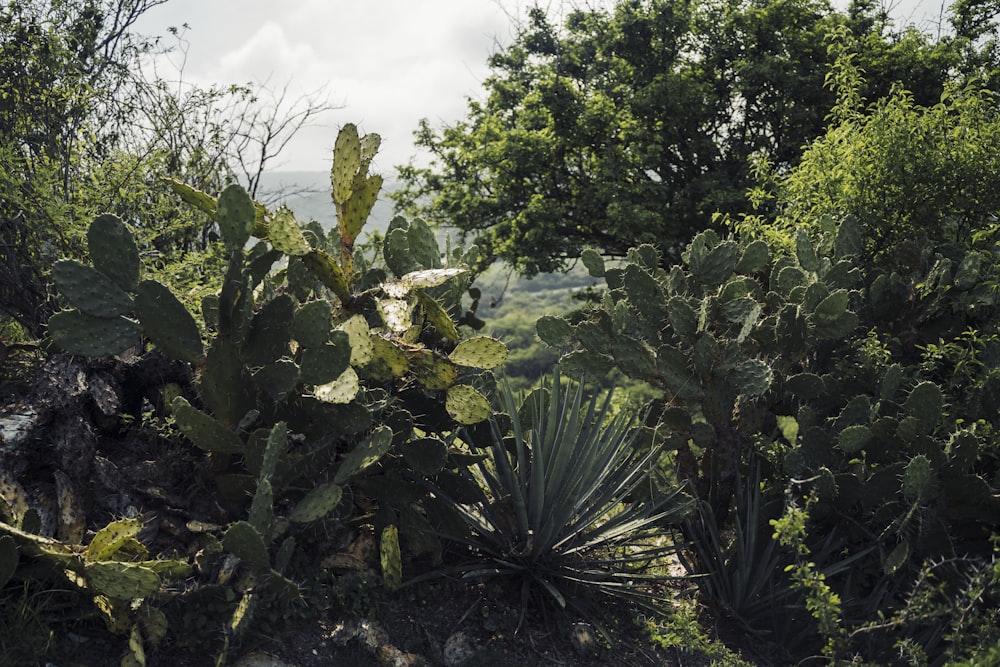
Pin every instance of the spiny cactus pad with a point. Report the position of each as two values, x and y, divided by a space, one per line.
438 316
286 235
480 352
113 251
167 322
317 504
340 391
236 215
329 272
111 538
365 454
246 542
123 581
325 363
90 290
203 430
346 162
78 333
466 405
312 323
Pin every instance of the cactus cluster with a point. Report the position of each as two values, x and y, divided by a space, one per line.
303 339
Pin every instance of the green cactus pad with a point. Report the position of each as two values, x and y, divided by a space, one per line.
679 378
756 256
122 581
317 504
202 201
423 244
340 391
805 252
261 514
325 363
277 380
480 352
247 544
90 290
806 386
360 337
554 331
644 292
346 162
720 263
926 404
285 234
312 323
586 363
355 211
427 456
167 322
633 357
854 438
917 478
432 370
387 362
270 331
203 430
277 439
224 385
369 147
466 405
850 241
396 251
683 318
438 316
78 333
111 538
593 261
364 454
236 215
8 559
113 251
392 561
329 272
752 377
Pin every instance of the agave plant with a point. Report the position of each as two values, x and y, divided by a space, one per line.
565 498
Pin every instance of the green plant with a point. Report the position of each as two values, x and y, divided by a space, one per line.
563 498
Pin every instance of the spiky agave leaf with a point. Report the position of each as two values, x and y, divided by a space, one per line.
552 492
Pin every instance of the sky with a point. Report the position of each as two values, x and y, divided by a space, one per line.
385 64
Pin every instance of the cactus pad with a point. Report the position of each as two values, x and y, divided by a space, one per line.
236 215
438 316
111 538
246 542
387 362
466 405
593 261
122 581
341 390
113 251
480 352
318 503
431 370
392 562
365 454
167 322
346 162
286 235
360 338
325 363
90 290
78 333
311 324
203 430
8 559
554 331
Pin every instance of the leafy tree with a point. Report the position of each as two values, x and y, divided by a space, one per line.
636 124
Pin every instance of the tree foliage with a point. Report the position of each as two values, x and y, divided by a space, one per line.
635 125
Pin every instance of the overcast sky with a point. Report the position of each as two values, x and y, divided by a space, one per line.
387 63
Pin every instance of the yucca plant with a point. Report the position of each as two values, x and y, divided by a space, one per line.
566 498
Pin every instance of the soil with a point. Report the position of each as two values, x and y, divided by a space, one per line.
65 450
